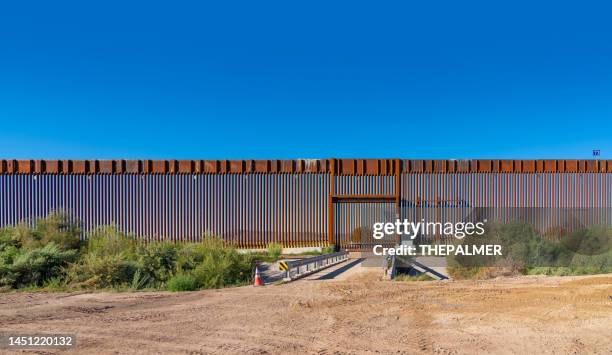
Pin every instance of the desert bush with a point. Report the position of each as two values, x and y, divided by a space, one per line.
594 240
107 260
116 260
324 250
57 228
222 265
191 255
108 240
328 249
157 262
7 254
51 255
8 239
102 270
580 264
36 266
182 282
275 250
586 251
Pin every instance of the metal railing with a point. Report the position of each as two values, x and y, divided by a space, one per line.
307 266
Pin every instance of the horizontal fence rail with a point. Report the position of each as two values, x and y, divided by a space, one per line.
251 203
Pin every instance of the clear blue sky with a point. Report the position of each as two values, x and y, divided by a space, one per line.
253 79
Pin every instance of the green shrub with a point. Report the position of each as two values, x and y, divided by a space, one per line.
594 240
139 281
222 265
103 270
57 228
328 249
8 254
586 251
8 239
9 249
108 240
182 282
324 250
37 266
50 255
108 260
275 250
157 262
114 259
192 254
104 264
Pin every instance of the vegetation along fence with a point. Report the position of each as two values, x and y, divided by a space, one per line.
252 203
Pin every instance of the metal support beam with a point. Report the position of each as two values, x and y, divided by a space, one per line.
330 203
398 192
364 198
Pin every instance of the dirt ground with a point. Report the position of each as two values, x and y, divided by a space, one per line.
359 314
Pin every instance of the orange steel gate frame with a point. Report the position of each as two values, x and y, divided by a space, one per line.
398 171
334 197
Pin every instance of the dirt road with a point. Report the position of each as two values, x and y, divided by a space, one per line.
359 315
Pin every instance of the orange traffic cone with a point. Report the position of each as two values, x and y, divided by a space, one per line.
258 281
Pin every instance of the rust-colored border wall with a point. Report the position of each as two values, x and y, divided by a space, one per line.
252 203
350 167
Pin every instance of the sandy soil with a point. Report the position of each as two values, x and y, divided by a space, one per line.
360 314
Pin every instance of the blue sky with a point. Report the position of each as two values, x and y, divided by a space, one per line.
323 79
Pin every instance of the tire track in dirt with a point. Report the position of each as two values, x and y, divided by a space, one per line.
349 316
